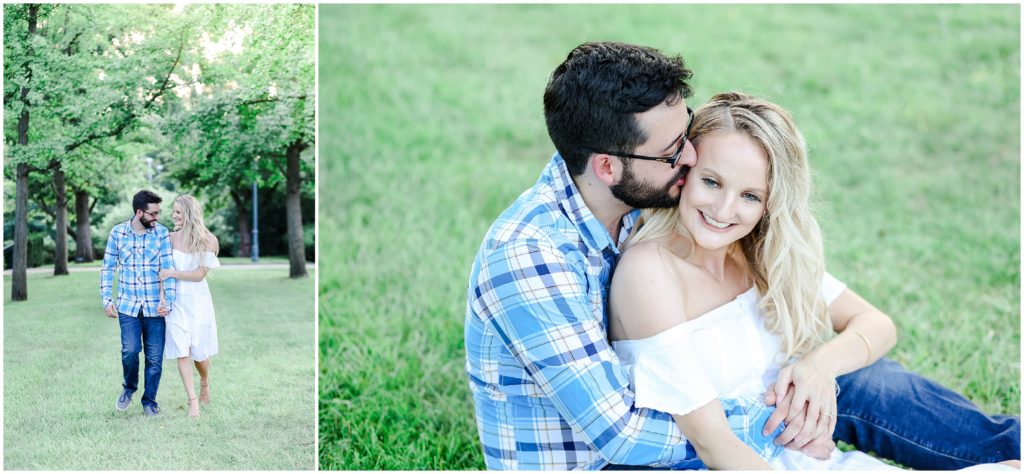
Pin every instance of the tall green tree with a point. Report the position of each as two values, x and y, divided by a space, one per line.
254 115
78 75
21 24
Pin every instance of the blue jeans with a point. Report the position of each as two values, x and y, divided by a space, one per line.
918 423
137 332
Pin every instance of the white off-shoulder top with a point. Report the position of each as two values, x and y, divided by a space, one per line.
725 353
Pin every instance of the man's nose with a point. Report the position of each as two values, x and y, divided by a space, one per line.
689 155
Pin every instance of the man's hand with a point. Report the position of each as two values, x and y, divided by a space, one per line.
781 408
820 446
162 309
111 312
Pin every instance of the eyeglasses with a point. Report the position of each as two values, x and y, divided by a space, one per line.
672 160
157 213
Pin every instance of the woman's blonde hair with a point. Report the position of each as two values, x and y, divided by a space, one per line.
784 250
195 236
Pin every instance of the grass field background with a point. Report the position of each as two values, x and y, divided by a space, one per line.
432 124
62 374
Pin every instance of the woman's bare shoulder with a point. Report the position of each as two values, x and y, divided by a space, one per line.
653 260
212 244
646 295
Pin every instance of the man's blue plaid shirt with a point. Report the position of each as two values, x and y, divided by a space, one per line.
549 390
139 259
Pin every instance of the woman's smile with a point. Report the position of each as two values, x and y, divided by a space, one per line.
713 224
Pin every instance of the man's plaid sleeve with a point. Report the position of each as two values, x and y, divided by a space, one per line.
110 255
537 302
167 263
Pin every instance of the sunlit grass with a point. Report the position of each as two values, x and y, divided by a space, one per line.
62 374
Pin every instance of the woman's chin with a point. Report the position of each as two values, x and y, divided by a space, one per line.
709 240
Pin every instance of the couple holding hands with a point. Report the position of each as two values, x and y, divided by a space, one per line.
659 299
163 305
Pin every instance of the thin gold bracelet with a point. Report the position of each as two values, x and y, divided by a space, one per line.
866 341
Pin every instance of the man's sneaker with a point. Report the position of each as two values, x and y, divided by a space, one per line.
151 410
124 400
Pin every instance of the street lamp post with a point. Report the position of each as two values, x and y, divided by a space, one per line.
149 164
255 252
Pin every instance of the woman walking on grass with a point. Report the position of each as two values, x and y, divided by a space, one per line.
191 326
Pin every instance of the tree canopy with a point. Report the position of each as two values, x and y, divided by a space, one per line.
92 91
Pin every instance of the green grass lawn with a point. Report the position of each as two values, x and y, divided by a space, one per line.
432 124
62 374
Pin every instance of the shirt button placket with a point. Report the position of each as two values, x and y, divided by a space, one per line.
138 264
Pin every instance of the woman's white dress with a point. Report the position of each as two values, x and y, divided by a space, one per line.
191 326
728 354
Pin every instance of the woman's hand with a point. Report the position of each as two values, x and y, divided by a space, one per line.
167 273
807 402
161 307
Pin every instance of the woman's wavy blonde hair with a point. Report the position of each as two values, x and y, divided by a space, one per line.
784 250
194 233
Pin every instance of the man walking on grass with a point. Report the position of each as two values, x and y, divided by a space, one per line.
549 391
138 249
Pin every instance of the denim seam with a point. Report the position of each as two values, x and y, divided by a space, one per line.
910 440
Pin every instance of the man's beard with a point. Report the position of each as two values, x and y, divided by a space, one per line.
640 195
146 223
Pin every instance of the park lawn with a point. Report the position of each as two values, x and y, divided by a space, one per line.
432 124
62 375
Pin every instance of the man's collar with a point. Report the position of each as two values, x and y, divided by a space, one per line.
571 201
148 230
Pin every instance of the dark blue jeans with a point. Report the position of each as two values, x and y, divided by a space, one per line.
137 332
916 422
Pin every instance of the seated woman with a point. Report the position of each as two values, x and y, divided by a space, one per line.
711 299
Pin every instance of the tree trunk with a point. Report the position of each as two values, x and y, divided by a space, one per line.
19 283
60 238
83 240
244 248
293 211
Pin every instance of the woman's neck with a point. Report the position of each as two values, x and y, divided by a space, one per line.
714 262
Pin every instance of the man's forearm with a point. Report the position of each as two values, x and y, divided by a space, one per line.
110 256
621 432
554 335
107 287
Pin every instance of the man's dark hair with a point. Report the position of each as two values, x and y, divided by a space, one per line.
143 199
591 98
